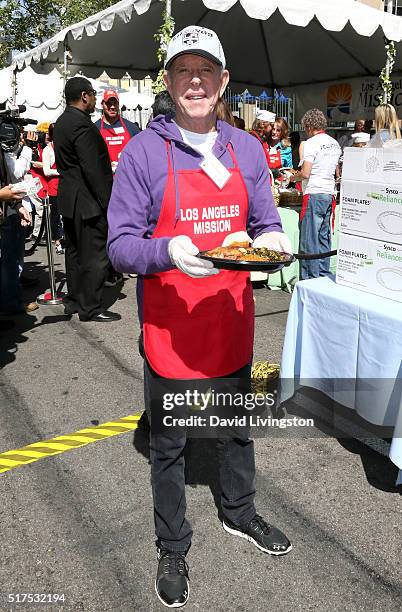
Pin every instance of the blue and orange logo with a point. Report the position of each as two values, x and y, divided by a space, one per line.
339 97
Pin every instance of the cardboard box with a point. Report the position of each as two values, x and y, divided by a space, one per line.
372 165
370 265
371 210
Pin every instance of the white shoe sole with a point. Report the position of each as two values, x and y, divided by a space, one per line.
240 534
175 605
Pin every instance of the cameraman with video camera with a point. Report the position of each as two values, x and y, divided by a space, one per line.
15 215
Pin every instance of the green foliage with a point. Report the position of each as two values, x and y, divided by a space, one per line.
72 11
385 79
163 36
26 23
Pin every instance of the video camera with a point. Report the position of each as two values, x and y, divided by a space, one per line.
10 127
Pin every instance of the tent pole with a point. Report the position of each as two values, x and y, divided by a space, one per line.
66 56
65 62
169 8
14 85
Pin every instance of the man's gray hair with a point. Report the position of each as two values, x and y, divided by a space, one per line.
314 119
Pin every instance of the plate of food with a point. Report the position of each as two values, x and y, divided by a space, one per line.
246 258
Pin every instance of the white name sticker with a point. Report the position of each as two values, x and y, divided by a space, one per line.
119 130
215 170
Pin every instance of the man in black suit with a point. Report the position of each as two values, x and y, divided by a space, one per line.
85 186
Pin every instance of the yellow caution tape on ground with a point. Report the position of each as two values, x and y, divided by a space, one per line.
261 371
39 450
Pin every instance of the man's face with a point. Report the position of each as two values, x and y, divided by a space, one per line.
267 128
359 125
89 99
195 84
111 108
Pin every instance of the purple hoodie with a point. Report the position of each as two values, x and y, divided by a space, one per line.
139 186
140 182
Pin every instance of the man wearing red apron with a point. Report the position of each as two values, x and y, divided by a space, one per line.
115 131
186 185
264 119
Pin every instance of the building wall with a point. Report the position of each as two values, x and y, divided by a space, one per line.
143 86
378 4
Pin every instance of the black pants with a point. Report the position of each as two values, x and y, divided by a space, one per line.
86 262
55 219
236 471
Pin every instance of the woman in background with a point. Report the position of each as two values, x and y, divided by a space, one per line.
223 112
50 171
386 124
279 145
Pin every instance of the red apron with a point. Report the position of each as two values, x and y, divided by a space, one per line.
52 181
115 142
38 173
274 158
305 206
264 144
200 327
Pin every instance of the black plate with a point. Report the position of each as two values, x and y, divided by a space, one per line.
249 266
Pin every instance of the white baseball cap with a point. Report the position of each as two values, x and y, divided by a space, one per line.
197 41
361 137
265 115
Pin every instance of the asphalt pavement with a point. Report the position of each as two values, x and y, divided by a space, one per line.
80 524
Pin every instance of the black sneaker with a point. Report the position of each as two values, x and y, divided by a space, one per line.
172 583
103 317
265 537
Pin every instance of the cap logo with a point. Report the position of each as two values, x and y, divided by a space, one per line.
190 38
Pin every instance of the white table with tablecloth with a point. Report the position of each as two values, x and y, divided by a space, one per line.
347 344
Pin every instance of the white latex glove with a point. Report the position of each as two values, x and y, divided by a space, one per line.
236 237
276 241
182 253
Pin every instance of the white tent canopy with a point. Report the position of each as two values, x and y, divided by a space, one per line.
268 43
42 94
6 87
132 100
